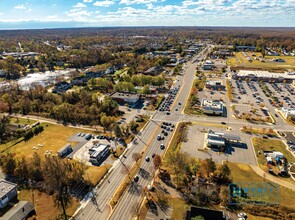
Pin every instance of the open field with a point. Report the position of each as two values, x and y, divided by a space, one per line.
271 145
240 61
95 173
21 121
244 173
52 138
261 144
44 205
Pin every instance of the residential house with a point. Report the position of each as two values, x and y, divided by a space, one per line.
61 87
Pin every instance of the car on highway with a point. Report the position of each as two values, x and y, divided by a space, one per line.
162 146
223 123
136 178
160 137
179 103
147 159
153 155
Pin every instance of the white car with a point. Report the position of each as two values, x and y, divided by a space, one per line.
242 215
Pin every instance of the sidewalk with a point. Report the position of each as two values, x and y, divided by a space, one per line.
271 178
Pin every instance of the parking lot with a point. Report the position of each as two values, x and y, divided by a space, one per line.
130 114
238 153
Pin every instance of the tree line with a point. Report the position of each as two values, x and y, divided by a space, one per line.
77 107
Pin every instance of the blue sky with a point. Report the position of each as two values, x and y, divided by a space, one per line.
101 13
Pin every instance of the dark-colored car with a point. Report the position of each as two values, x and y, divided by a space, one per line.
223 123
162 147
136 178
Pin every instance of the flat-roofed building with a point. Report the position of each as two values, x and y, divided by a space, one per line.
214 84
286 112
263 75
8 191
129 98
98 152
212 107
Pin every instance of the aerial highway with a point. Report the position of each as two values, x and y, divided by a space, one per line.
130 199
98 207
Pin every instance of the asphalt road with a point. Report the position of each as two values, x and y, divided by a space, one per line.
98 208
131 198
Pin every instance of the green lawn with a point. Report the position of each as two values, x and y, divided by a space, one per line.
21 121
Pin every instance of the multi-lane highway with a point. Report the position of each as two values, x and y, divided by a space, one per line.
98 207
124 208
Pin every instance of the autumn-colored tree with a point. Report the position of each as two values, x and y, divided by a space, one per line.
157 161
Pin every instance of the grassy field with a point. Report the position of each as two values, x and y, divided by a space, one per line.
52 138
271 145
21 121
95 174
244 173
44 205
179 207
261 144
240 61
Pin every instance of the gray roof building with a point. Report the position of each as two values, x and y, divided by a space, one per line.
21 211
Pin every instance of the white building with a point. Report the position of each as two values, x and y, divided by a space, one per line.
212 107
286 112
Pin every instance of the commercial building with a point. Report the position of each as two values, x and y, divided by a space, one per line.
219 140
286 112
65 150
126 98
246 48
213 84
208 65
263 75
212 107
8 191
98 152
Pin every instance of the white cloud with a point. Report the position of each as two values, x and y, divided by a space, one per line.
87 0
22 7
104 3
131 2
79 5
51 17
